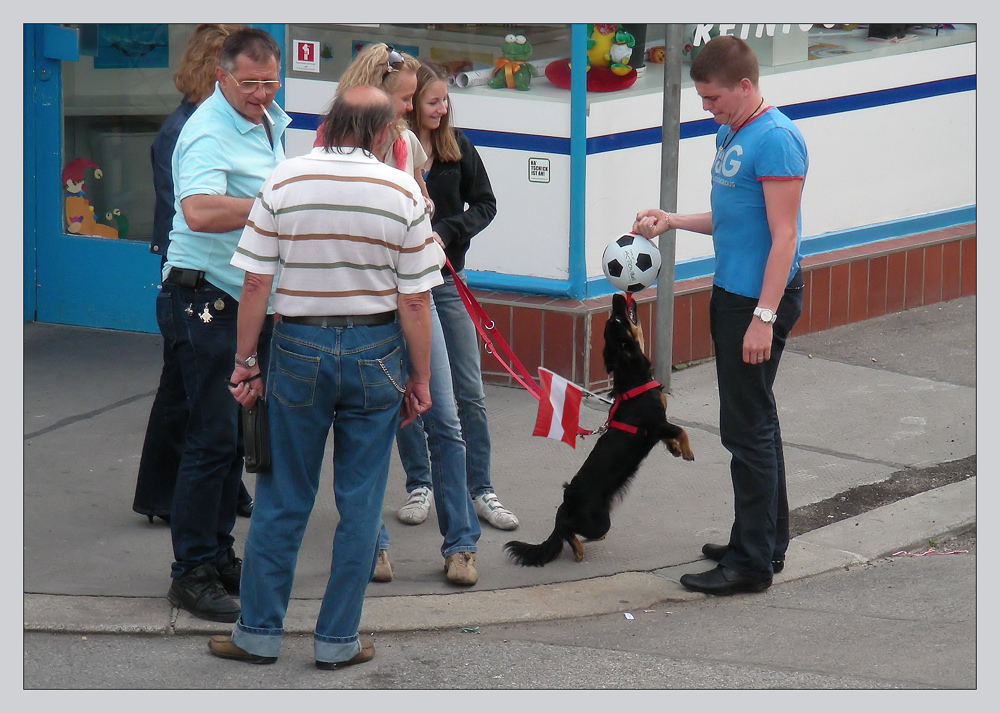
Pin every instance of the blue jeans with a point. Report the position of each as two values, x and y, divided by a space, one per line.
203 510
748 425
433 445
321 377
462 343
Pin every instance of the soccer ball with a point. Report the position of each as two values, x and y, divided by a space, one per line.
631 263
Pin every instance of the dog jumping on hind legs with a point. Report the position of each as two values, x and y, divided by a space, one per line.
637 422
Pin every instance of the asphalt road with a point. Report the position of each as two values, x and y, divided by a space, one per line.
899 623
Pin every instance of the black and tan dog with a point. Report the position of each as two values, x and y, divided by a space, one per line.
637 421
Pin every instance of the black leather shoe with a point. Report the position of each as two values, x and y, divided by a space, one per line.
244 508
230 574
223 647
717 552
723 581
201 593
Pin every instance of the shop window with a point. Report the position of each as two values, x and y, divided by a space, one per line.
115 98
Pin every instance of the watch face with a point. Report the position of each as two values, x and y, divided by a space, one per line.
765 315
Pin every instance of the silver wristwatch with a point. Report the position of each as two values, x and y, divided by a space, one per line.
765 315
249 363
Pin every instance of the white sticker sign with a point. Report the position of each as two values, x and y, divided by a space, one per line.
538 170
305 56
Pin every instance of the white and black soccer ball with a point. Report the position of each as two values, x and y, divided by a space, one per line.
631 263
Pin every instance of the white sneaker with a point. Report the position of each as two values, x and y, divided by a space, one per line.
489 508
417 506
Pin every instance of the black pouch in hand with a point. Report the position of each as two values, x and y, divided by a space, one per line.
256 437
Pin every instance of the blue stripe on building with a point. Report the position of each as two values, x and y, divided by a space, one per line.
702 127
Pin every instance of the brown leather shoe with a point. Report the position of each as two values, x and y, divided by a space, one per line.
383 570
223 647
460 568
367 653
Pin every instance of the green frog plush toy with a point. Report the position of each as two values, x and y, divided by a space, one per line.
513 70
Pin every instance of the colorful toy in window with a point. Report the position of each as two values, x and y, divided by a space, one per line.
513 70
121 222
609 50
79 213
621 52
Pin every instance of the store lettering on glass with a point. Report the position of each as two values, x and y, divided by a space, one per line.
703 33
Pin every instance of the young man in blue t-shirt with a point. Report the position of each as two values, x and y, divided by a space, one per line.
755 222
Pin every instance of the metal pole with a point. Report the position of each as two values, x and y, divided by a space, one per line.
668 202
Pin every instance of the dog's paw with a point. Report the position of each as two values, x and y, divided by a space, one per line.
679 447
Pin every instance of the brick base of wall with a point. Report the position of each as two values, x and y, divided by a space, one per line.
841 287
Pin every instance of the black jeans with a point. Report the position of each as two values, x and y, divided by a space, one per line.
200 326
748 424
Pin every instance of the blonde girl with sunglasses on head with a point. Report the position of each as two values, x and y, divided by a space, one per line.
395 73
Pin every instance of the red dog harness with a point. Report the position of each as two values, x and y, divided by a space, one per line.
631 393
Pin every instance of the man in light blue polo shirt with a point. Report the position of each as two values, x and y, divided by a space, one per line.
224 153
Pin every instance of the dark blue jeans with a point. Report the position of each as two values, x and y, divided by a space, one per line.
164 441
199 325
748 424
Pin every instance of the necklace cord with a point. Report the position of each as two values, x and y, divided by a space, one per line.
731 135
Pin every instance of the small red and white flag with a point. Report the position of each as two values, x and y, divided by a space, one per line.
558 408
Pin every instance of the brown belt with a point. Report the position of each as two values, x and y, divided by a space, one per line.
344 320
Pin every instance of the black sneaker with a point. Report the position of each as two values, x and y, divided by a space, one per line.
230 573
201 593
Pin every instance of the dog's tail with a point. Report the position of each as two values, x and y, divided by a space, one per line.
536 555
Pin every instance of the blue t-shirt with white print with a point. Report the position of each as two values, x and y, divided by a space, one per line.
768 147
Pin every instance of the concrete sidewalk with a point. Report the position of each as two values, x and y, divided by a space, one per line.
857 404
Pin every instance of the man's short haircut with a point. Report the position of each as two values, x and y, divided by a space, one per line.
257 45
351 123
725 60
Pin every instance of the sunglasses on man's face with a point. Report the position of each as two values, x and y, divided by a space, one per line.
249 86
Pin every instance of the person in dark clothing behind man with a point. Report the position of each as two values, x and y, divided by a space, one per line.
161 449
755 222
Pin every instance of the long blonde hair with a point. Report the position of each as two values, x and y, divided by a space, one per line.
195 75
443 139
370 67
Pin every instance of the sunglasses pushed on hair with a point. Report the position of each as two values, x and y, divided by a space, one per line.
394 63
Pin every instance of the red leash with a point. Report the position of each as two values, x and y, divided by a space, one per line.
485 325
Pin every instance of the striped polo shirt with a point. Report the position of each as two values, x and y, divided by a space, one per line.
343 233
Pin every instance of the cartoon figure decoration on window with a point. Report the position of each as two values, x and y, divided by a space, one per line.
79 213
115 216
513 70
609 51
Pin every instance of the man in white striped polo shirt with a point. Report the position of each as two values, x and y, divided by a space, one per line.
350 242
